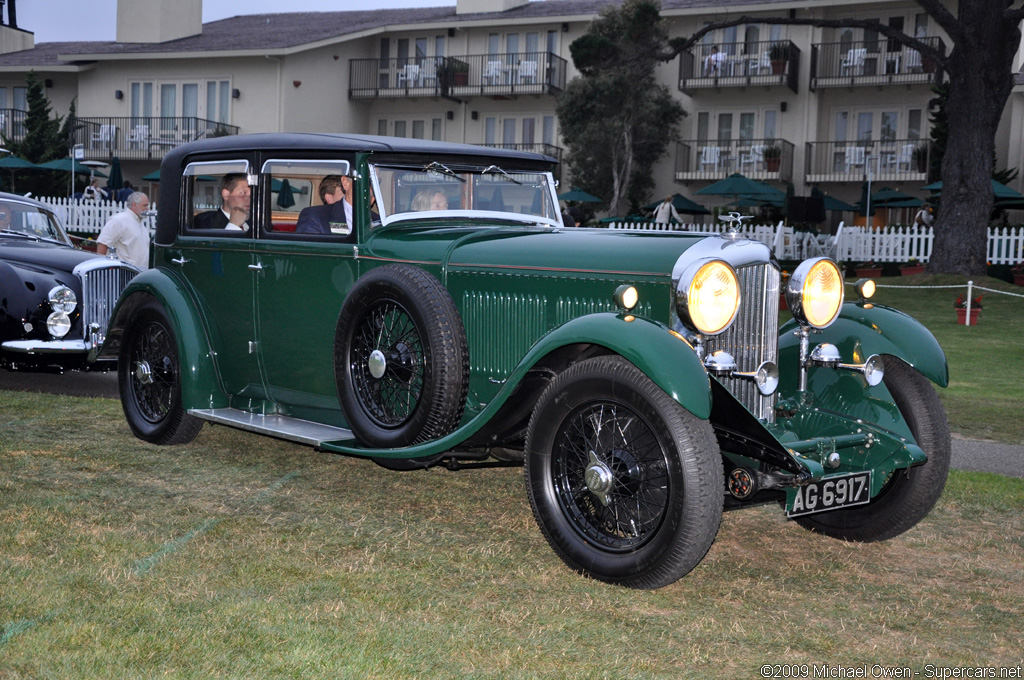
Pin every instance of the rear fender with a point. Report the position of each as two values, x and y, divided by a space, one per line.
200 387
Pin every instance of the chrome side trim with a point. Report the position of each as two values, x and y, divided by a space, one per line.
46 346
282 427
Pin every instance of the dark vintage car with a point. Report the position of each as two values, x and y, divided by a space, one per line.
643 378
55 300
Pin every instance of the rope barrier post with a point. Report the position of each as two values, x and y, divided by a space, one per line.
970 288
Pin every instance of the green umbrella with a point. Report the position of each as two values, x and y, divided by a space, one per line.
284 195
682 205
833 203
887 197
740 186
579 195
116 180
13 163
999 189
70 165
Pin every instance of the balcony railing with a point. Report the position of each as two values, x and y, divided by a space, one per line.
457 77
142 138
740 65
761 159
880 62
12 124
895 160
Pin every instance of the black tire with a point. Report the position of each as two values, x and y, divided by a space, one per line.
909 495
625 484
149 379
401 361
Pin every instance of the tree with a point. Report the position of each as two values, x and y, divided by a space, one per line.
45 140
985 36
616 119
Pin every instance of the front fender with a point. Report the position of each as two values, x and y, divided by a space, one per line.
199 386
665 358
863 329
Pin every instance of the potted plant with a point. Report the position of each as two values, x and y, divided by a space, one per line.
961 310
912 267
867 270
772 157
1018 274
920 157
453 73
778 53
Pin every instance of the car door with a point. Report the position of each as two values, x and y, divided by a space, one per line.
302 280
217 263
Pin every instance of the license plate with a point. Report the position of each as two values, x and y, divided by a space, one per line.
831 493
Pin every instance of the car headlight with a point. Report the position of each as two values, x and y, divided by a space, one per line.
58 324
62 299
707 296
814 293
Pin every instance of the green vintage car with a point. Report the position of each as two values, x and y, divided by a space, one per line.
440 313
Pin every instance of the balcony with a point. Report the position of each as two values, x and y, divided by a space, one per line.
740 65
709 160
12 124
882 62
141 138
896 160
488 75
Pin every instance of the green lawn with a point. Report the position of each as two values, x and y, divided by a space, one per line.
986 362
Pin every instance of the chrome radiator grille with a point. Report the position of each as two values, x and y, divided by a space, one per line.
753 337
100 289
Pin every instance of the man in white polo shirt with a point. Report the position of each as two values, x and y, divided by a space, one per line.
125 232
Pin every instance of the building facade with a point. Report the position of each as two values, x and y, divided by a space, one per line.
780 103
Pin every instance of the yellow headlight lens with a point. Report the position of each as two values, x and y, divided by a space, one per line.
822 293
713 297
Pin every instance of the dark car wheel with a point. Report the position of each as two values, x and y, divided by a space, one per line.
149 378
401 361
909 495
625 484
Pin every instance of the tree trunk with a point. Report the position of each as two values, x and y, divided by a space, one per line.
980 81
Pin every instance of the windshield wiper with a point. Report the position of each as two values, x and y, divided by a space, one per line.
19 233
442 169
495 168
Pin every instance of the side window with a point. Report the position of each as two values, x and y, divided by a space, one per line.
310 199
219 197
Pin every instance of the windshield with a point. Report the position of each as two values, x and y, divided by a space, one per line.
31 221
488 192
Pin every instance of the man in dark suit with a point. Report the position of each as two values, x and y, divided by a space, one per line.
335 215
236 203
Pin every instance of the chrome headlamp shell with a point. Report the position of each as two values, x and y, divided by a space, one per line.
814 293
62 299
708 296
58 324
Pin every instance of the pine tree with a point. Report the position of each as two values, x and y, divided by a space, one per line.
45 140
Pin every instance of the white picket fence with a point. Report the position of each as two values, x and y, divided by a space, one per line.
848 244
851 243
88 217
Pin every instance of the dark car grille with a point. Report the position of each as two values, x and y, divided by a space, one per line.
753 337
100 289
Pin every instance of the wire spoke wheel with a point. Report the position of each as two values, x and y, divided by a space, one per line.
610 475
154 371
388 361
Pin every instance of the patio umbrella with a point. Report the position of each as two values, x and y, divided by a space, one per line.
887 197
116 180
740 186
866 201
13 163
70 165
284 195
578 195
833 203
682 205
999 189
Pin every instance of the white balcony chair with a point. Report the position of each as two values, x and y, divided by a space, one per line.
409 76
759 66
428 74
527 72
854 157
139 136
103 138
912 64
904 160
710 155
493 73
754 157
853 64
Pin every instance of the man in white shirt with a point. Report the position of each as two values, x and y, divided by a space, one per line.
125 232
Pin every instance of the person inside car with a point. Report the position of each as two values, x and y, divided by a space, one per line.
335 215
236 204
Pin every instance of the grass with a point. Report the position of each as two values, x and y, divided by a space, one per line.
243 556
986 362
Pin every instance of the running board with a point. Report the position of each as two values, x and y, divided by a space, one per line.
282 427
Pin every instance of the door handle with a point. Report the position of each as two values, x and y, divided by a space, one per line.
258 267
180 260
